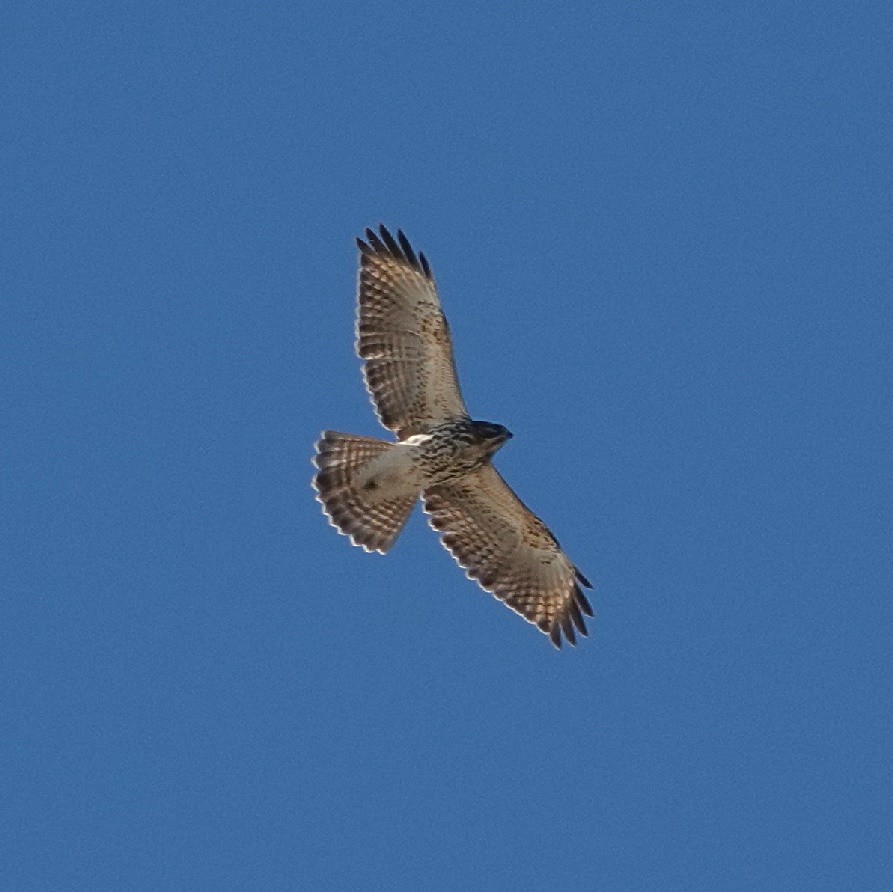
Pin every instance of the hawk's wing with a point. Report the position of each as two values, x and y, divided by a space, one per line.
509 551
403 337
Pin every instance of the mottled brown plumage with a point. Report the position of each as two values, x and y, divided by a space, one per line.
368 487
373 525
503 545
403 338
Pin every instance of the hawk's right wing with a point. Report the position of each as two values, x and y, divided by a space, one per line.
510 552
403 337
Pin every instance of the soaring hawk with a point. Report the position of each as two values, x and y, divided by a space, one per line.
368 487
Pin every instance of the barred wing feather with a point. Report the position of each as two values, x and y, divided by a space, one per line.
509 551
403 337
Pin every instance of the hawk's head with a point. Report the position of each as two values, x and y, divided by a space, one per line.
489 435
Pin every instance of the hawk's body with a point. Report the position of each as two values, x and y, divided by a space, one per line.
368 487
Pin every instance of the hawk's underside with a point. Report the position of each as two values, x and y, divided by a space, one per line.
368 487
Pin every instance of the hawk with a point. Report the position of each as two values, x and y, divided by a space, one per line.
368 487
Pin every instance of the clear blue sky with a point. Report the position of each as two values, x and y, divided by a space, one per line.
662 233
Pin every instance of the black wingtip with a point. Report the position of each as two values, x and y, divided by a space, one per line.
582 601
373 239
568 629
582 579
407 248
555 636
577 617
382 242
392 245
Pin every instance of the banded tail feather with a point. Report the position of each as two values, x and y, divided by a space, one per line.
351 498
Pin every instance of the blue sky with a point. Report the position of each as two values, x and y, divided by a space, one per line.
662 235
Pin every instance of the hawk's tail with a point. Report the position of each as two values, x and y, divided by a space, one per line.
370 520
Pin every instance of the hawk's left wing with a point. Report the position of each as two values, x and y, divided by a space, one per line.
510 552
403 337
